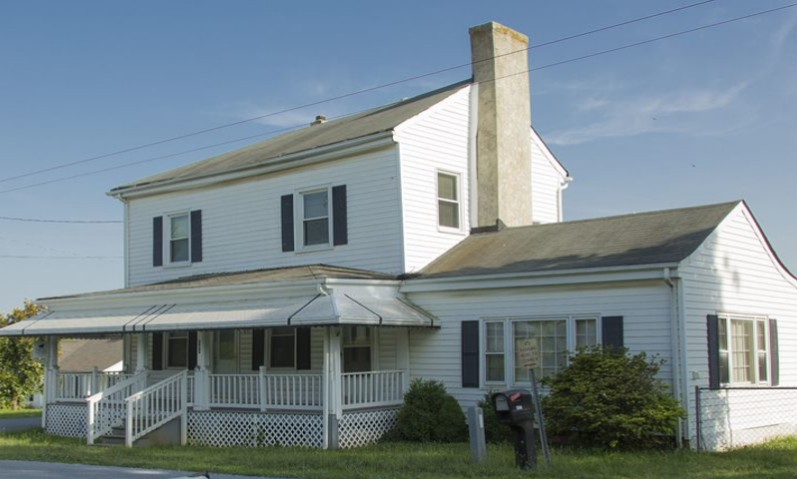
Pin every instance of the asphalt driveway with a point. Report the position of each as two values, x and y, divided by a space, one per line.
20 423
54 470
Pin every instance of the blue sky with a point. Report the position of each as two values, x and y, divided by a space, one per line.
700 118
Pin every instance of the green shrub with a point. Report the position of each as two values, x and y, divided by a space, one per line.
609 399
494 430
430 414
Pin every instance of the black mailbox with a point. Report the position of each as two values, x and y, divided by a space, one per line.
514 407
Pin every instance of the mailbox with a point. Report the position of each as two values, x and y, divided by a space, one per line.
514 407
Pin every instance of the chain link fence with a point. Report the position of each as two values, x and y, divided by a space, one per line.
727 418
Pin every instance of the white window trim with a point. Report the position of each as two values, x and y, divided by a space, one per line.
236 347
166 342
509 351
298 220
167 239
372 346
458 177
728 318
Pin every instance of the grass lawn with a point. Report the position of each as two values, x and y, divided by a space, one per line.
777 459
26 412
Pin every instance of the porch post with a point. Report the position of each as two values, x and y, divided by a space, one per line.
142 346
333 404
51 375
204 352
403 357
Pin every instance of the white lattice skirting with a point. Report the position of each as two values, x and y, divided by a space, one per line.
365 427
231 428
67 420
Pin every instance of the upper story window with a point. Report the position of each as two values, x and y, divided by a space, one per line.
177 238
314 219
448 200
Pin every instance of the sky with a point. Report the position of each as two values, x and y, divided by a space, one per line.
698 118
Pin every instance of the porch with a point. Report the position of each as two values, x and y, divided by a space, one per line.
228 409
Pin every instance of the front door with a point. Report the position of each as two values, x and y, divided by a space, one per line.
225 354
356 349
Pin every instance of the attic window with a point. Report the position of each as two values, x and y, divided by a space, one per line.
447 200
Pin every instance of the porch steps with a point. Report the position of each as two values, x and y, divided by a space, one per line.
115 438
168 433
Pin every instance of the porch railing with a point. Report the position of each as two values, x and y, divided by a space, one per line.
80 385
291 391
156 405
106 409
373 389
234 390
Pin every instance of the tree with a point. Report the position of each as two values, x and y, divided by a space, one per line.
20 374
609 399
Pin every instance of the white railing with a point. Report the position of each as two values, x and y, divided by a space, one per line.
106 408
290 391
189 382
156 405
234 390
373 388
80 385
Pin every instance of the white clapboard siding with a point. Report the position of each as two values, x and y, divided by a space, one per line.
241 221
436 140
386 349
547 178
735 272
436 354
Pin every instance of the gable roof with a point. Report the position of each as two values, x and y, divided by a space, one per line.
377 120
659 237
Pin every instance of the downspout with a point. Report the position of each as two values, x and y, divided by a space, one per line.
677 349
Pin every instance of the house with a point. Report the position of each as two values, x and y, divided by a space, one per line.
288 292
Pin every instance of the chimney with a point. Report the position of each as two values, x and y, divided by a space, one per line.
503 139
318 120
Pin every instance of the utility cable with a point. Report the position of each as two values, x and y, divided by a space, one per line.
335 98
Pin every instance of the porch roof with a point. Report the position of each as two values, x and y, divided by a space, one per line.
100 313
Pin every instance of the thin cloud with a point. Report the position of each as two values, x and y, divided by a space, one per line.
648 115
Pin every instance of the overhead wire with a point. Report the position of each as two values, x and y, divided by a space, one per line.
550 65
339 97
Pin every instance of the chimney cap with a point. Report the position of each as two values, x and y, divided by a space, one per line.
318 120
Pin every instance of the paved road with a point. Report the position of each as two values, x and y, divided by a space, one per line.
20 423
54 470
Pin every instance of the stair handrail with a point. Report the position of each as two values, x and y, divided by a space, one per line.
103 404
156 405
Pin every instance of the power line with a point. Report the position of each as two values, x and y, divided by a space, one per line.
338 97
39 220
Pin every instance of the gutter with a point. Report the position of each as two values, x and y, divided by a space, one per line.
291 160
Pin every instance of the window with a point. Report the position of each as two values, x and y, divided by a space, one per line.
177 350
179 236
743 350
315 218
447 200
356 349
282 350
553 338
318 220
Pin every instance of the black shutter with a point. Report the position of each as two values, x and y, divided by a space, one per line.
196 236
157 241
191 350
157 351
340 227
612 333
713 330
286 207
774 360
303 360
258 348
470 354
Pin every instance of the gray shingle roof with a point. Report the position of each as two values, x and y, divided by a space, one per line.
657 237
374 121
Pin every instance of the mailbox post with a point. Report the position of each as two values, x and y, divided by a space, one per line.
514 407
